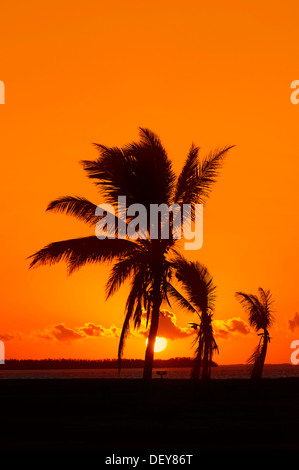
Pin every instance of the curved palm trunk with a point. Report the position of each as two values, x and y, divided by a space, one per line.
210 363
207 353
206 362
204 353
197 362
258 367
149 353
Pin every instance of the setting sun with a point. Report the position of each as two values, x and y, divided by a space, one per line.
160 344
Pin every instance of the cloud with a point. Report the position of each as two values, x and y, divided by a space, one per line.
89 329
294 324
62 333
224 328
6 337
168 327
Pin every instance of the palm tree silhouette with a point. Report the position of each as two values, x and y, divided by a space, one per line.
141 171
198 297
260 314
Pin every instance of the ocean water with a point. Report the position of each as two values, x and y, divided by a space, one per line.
220 372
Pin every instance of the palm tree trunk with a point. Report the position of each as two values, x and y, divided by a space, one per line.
197 362
262 356
207 346
258 367
210 363
205 362
149 353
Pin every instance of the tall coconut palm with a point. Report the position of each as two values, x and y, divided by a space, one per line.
141 171
198 297
260 313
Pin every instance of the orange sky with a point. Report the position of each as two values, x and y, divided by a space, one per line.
78 72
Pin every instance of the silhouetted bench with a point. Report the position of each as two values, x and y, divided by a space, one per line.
161 373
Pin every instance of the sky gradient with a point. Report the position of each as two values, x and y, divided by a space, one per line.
81 72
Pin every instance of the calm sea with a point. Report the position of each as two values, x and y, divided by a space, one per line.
220 372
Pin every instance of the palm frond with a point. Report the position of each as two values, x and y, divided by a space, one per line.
197 283
209 171
76 206
267 302
259 310
187 181
197 177
154 176
111 172
124 268
180 299
255 355
141 171
252 306
80 251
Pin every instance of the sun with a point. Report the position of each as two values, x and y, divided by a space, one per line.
160 344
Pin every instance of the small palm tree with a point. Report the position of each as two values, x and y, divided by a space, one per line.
142 172
198 297
260 314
